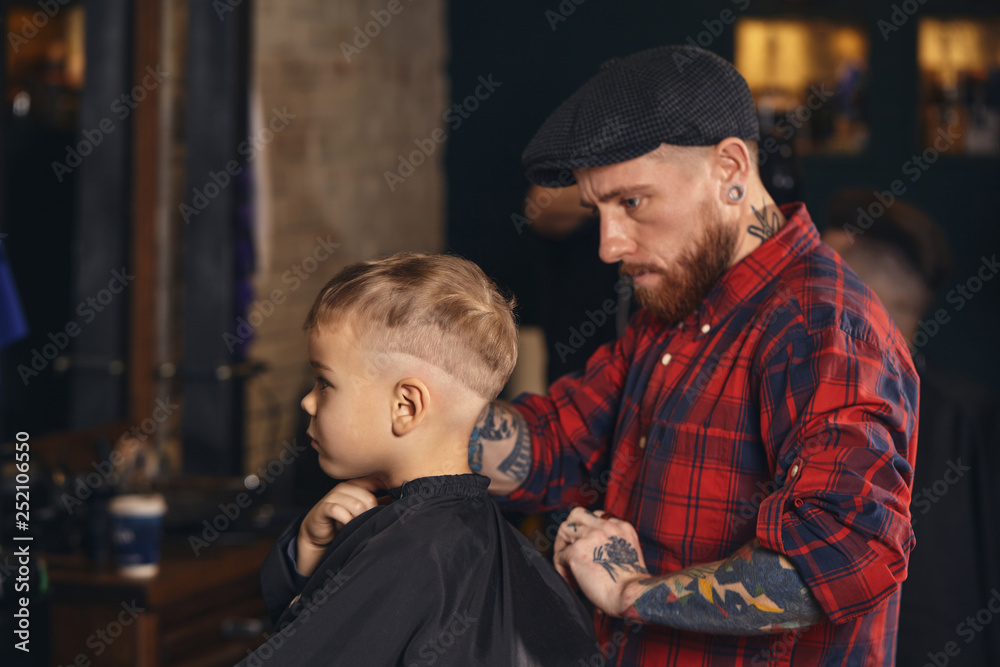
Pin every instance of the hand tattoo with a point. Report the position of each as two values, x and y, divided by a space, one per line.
769 225
618 553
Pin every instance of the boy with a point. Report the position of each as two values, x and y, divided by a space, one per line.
408 351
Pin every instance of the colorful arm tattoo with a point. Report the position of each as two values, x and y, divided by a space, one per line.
754 591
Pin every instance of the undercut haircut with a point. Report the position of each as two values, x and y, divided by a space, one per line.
439 308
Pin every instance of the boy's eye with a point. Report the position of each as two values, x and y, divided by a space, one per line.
321 383
631 202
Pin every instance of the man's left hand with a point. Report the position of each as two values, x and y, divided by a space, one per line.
601 554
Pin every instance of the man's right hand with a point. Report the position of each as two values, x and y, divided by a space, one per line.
346 501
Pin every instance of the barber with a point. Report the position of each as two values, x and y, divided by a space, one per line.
753 432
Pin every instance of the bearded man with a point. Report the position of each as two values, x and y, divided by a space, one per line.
751 437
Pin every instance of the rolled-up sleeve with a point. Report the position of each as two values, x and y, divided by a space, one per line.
571 427
839 417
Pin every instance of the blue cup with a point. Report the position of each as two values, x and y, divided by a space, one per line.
136 528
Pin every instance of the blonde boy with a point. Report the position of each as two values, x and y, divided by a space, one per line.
408 352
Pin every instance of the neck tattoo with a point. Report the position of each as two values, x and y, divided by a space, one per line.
770 222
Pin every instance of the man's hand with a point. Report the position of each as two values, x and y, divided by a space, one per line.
346 501
601 554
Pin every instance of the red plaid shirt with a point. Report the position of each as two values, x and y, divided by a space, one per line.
785 409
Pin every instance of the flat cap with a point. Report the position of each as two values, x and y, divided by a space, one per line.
680 95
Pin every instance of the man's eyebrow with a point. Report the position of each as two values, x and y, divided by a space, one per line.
617 192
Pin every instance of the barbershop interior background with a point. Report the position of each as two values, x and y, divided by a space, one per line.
179 179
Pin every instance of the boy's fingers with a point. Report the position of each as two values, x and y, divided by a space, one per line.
370 484
346 504
357 500
339 514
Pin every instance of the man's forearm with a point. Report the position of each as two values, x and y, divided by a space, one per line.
754 591
500 448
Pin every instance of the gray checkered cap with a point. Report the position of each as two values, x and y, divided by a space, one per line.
679 95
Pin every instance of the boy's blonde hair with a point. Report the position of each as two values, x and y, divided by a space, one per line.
440 308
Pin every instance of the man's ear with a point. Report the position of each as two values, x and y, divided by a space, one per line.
410 401
734 161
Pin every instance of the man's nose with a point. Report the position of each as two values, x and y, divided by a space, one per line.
615 243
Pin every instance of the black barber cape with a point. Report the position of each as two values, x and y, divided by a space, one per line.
436 577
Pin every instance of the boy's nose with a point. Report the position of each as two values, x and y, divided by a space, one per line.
307 403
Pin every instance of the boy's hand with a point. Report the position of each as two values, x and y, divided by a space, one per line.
346 501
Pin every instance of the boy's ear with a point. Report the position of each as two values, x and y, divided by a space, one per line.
410 401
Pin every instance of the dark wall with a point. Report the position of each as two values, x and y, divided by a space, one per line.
537 66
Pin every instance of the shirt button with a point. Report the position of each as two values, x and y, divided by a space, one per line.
794 470
666 359
705 328
642 442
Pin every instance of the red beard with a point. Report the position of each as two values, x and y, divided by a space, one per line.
682 288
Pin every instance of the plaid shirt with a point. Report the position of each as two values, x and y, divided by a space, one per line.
785 409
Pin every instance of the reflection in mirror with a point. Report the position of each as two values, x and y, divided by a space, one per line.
65 231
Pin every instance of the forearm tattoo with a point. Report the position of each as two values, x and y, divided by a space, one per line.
499 424
517 465
770 222
754 591
476 450
618 554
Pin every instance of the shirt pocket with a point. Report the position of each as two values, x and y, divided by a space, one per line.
695 479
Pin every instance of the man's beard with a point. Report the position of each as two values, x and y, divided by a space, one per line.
683 287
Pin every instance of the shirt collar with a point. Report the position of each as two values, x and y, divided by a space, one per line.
748 276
